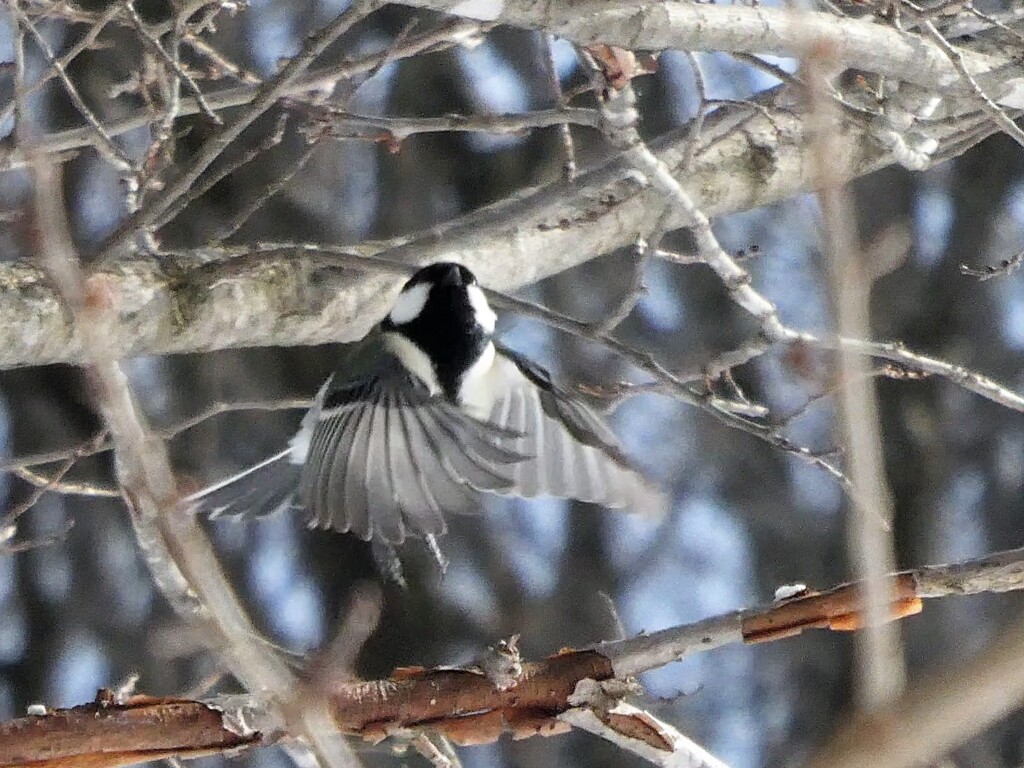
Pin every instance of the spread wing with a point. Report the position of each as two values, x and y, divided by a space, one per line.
568 449
384 459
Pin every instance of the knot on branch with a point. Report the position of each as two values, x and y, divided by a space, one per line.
619 117
501 663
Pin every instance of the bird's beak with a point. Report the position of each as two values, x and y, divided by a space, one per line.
452 276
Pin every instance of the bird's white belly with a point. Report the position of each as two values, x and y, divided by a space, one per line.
486 382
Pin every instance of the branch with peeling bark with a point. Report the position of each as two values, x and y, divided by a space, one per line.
468 705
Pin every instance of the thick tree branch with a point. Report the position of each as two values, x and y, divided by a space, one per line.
747 158
862 43
465 704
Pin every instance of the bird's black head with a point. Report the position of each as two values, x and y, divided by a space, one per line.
444 313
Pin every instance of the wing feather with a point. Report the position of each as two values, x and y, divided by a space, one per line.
383 509
420 463
323 447
386 459
350 512
569 450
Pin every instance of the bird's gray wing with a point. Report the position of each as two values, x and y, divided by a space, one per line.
385 459
570 451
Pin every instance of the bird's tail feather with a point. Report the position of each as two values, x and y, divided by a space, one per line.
260 490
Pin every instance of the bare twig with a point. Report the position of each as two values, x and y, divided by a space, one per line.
702 105
236 222
211 179
637 731
397 129
105 144
54 484
87 40
639 256
171 61
565 132
1005 267
956 57
444 36
265 97
100 443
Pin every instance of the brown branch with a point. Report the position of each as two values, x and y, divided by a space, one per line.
105 733
466 706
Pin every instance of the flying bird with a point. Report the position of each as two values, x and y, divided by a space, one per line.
427 412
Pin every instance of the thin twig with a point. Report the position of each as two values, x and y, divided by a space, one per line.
106 145
211 149
87 40
443 37
639 732
698 118
1004 268
211 179
172 62
565 132
956 58
348 125
236 222
54 484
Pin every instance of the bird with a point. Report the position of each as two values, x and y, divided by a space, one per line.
426 414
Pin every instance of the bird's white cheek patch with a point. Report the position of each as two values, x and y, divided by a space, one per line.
410 303
481 309
413 359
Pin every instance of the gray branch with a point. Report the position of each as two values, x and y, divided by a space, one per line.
192 302
862 43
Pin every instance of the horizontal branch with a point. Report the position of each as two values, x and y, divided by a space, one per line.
438 699
110 733
748 156
862 43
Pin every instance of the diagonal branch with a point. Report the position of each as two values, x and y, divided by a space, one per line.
465 705
176 549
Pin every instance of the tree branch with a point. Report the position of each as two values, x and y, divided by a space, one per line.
747 157
438 700
861 43
175 548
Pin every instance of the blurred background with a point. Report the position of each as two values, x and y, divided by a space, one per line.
83 613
